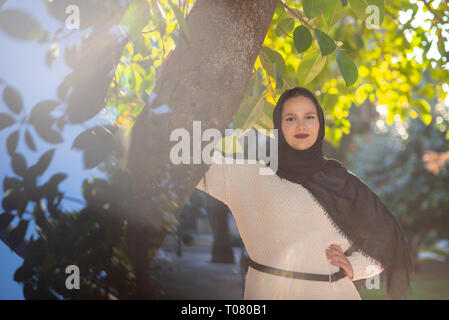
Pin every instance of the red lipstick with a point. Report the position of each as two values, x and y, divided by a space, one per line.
301 136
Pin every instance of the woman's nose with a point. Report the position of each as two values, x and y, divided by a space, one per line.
301 124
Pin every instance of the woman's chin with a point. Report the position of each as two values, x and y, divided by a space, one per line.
301 146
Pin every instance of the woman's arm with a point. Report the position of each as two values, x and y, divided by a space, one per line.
216 181
364 266
356 265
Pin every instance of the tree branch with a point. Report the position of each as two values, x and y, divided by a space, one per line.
298 14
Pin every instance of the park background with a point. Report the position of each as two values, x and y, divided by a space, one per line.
71 96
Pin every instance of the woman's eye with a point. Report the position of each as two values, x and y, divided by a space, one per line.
290 118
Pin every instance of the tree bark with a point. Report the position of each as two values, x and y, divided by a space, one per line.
205 79
222 247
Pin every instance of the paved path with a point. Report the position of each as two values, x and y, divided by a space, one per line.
193 276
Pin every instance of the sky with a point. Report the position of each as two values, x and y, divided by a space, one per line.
22 66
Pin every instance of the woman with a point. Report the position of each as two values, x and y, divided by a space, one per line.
299 224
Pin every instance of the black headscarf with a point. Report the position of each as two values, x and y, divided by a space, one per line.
354 210
298 165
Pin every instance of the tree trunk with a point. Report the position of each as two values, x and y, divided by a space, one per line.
205 79
222 248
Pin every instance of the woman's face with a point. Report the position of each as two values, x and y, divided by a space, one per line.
299 117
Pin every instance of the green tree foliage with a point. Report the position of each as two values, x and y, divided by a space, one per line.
391 160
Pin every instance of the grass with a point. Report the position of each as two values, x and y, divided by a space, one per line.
430 282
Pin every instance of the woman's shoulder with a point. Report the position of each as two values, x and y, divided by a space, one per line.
339 174
234 159
336 176
334 166
246 171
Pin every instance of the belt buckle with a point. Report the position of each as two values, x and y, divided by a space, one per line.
330 276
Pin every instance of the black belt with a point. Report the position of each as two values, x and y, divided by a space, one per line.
298 275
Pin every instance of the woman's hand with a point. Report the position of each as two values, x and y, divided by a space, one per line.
337 257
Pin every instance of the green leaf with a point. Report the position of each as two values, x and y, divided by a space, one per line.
5 219
424 111
87 98
361 94
261 125
302 39
359 7
275 58
367 9
347 67
180 17
51 186
135 18
42 109
251 106
313 7
389 118
312 64
5 120
273 64
23 273
333 11
42 121
43 163
284 26
359 40
423 106
49 134
18 164
29 140
13 99
15 200
97 144
17 235
328 101
11 143
93 74
159 16
403 113
327 45
428 91
376 7
11 183
230 145
267 115
20 25
30 187
249 112
280 11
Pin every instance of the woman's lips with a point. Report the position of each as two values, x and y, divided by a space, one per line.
301 136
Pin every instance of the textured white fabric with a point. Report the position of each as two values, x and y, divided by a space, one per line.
283 226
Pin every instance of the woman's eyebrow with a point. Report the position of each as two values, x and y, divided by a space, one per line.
292 114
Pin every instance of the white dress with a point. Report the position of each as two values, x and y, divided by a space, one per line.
283 226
